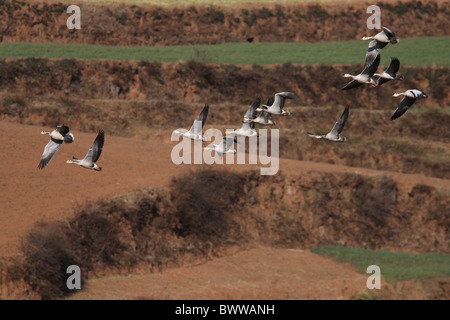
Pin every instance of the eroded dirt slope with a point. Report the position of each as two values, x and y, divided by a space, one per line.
118 24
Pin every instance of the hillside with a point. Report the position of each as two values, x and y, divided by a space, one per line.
140 25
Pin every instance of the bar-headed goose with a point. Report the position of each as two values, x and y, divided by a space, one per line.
57 137
410 97
334 134
379 41
195 133
389 74
365 77
89 161
264 117
248 126
278 104
224 146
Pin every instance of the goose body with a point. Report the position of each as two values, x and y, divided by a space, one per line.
334 134
248 126
89 161
195 133
410 96
379 41
223 147
365 77
389 74
57 137
278 104
264 118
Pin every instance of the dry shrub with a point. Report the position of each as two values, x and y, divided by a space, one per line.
47 252
204 204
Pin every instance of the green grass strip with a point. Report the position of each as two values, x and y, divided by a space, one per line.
411 51
394 266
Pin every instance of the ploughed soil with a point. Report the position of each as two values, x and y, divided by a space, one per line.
29 195
140 25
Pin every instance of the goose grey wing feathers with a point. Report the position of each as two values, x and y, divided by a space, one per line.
374 49
269 101
280 98
50 149
96 149
227 142
339 125
201 118
266 116
352 84
248 125
381 81
251 112
372 68
394 66
403 107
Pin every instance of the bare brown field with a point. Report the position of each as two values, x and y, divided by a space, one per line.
261 273
291 274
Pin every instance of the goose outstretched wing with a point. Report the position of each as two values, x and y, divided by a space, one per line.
96 149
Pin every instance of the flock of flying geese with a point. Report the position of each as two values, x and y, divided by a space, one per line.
369 75
266 111
61 134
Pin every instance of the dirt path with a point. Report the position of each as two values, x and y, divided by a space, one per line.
29 195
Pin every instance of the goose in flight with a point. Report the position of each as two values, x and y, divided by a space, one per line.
57 137
389 74
379 41
278 104
223 147
248 126
264 117
195 133
410 97
364 77
334 134
89 161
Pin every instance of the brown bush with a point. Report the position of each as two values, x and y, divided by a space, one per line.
47 252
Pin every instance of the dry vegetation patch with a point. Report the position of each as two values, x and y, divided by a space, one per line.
203 213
